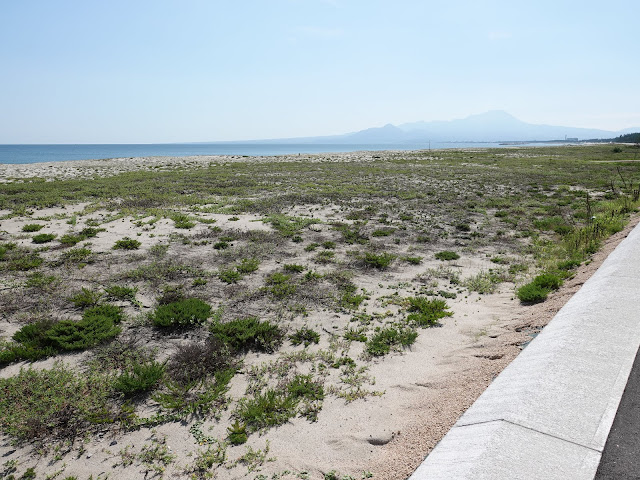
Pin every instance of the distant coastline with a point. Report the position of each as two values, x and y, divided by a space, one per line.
35 153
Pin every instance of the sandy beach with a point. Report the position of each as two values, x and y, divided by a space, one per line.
404 401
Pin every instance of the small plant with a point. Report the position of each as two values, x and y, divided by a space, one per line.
248 334
387 338
180 220
221 245
86 298
413 260
141 378
268 409
199 282
379 261
237 433
425 312
329 245
40 280
118 292
229 276
279 285
537 290
304 335
311 247
447 255
24 261
248 265
196 361
181 314
127 243
43 238
293 268
32 227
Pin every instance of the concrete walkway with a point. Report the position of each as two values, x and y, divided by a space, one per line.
548 414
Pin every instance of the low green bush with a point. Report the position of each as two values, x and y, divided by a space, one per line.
229 276
378 260
181 314
53 404
531 293
141 378
268 409
248 265
86 298
248 334
32 227
279 285
384 339
118 292
304 335
43 238
127 243
425 312
447 255
293 268
68 335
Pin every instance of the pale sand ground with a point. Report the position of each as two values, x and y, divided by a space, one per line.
425 388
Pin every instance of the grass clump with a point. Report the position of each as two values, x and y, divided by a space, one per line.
86 298
537 290
32 227
264 410
127 243
55 403
248 334
142 377
279 285
43 238
447 255
385 339
293 268
289 226
378 260
304 335
229 275
184 313
248 265
425 312
118 292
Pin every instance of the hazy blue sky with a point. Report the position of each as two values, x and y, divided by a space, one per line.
139 71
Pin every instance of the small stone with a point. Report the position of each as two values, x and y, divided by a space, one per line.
113 443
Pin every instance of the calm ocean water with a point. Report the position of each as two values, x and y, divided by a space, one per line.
61 153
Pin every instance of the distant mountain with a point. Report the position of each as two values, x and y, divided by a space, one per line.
492 126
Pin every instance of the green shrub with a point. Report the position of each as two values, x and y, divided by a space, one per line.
181 314
237 433
229 276
387 338
76 255
379 261
86 298
304 335
221 245
425 312
548 281
531 293
568 265
90 232
25 261
248 265
248 334
293 268
141 378
268 409
447 255
329 245
278 285
303 386
117 292
88 332
180 220
383 232
70 239
56 403
110 311
43 238
127 243
413 260
32 227
40 280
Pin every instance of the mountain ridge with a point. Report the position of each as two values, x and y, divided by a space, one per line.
491 126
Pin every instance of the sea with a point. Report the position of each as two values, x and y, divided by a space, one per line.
65 152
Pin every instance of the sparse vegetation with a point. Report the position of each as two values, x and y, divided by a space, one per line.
363 284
